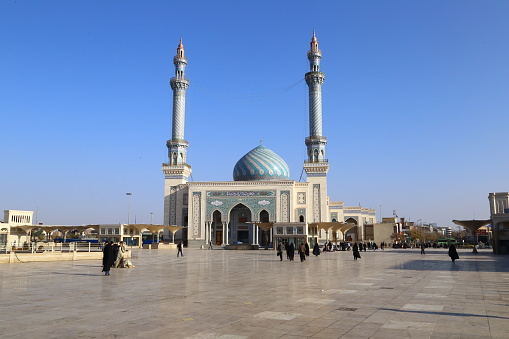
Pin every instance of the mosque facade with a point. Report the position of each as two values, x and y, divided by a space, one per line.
262 205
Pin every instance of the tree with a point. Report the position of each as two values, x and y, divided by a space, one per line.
398 237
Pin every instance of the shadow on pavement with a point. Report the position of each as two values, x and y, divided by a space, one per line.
445 313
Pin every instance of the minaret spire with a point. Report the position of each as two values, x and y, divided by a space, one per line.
177 145
314 78
316 166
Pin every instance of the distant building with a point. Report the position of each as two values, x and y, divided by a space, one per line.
499 211
13 228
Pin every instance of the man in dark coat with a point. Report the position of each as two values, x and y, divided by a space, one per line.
108 258
316 250
291 251
453 253
307 249
356 254
179 249
280 249
114 245
302 252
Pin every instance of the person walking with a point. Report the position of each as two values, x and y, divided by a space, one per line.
356 254
280 249
453 253
179 247
422 248
316 249
291 251
108 257
210 245
307 249
302 252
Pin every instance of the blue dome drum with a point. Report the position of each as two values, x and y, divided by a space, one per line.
261 163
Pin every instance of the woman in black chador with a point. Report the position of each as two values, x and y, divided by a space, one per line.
108 258
356 254
316 250
291 251
453 253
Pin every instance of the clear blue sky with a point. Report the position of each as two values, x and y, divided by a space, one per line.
415 101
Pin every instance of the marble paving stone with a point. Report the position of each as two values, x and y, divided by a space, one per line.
277 315
316 301
421 307
250 294
406 325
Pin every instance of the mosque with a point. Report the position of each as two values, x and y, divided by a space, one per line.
262 205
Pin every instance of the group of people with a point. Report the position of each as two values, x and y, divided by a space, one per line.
303 250
347 246
289 248
114 255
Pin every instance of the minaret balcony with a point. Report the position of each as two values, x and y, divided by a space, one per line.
316 140
321 161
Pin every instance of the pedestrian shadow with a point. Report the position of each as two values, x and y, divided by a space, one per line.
464 265
85 274
452 314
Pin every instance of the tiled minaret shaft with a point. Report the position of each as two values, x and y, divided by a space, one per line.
314 78
316 166
177 169
177 146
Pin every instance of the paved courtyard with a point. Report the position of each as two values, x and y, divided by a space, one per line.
251 294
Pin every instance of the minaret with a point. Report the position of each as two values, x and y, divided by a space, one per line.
316 166
176 170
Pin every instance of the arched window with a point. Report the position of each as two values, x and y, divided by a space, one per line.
264 216
301 218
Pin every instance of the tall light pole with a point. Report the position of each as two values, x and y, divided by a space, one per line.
128 208
151 217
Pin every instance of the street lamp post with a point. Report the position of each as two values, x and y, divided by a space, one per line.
151 213
128 208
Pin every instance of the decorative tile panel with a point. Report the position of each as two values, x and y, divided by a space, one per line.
196 213
334 216
316 203
285 206
256 201
173 205
301 197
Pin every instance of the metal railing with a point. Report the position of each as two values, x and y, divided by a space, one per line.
41 247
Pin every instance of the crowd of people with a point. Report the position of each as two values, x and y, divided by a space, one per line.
114 255
356 248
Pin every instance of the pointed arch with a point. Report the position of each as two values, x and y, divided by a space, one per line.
264 216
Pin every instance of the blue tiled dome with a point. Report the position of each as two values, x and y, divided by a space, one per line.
261 163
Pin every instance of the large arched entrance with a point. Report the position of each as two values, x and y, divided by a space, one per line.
351 234
241 230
